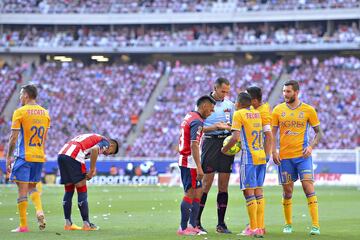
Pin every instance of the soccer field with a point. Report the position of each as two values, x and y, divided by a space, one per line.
152 212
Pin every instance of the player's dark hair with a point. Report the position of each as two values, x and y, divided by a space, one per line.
116 145
294 84
255 92
30 90
203 99
244 99
221 81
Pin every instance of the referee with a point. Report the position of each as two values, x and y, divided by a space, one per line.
216 129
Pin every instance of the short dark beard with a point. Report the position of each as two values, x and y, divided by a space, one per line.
291 100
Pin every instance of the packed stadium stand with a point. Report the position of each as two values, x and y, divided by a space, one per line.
122 90
186 83
130 70
248 42
10 76
162 35
93 98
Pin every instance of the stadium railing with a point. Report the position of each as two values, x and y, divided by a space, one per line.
182 18
188 49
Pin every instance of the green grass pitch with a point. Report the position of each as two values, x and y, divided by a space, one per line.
152 212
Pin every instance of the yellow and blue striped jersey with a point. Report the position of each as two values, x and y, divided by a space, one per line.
294 125
248 122
33 122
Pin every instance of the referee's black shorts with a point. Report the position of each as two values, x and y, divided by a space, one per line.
212 159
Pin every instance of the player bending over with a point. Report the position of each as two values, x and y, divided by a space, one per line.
71 161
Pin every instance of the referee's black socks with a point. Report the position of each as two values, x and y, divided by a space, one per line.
202 205
222 201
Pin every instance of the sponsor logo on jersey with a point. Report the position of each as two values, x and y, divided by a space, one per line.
294 124
291 133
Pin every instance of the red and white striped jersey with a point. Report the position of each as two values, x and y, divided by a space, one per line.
191 130
79 147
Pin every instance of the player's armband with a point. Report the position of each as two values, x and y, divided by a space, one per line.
267 128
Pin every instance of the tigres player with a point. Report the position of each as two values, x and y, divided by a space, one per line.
247 126
294 119
265 113
29 127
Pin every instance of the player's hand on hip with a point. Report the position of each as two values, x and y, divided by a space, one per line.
276 158
307 152
199 173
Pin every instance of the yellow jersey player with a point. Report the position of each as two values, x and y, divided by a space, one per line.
247 126
294 119
265 113
29 127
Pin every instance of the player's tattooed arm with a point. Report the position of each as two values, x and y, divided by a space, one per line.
275 154
318 135
12 143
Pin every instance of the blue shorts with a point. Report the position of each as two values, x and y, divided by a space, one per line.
290 170
252 176
188 178
24 171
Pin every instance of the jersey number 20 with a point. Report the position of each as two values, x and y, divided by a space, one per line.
258 137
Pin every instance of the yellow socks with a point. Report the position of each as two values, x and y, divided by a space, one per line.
313 209
39 186
287 207
251 206
260 200
35 198
22 207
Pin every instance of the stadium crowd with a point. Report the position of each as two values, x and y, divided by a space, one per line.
161 132
73 93
10 76
165 6
96 98
162 36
